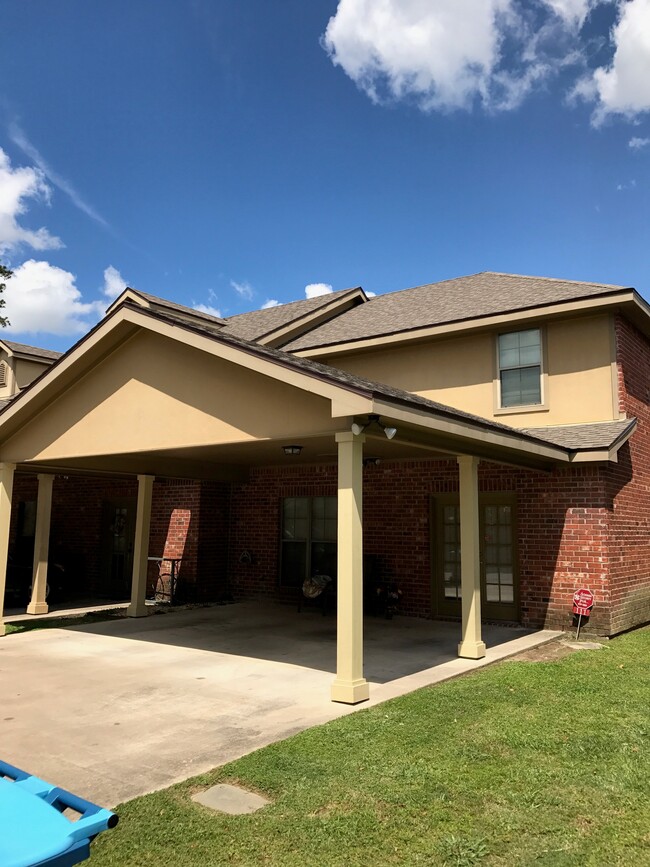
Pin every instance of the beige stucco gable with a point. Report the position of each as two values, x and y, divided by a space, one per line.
155 393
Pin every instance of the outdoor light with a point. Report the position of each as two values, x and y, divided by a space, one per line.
371 462
373 419
292 450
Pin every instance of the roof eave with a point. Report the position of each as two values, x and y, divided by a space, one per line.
589 304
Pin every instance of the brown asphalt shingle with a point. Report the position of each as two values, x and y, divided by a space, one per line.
178 308
600 435
454 300
36 351
257 323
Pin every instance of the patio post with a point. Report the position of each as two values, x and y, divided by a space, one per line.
471 646
37 604
137 608
6 490
350 686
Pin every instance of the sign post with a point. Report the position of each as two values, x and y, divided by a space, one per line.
583 602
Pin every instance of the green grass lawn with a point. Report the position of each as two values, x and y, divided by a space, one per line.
522 763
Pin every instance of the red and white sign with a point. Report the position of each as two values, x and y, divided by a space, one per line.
583 602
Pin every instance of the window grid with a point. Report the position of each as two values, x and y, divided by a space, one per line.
520 368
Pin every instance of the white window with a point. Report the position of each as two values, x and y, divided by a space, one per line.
520 368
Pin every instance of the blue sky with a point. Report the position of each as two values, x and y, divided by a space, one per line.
230 154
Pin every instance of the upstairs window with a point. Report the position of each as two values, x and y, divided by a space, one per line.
3 374
520 368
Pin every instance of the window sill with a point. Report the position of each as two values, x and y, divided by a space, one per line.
515 410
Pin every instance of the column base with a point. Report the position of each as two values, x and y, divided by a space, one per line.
137 610
38 608
350 691
471 649
3 631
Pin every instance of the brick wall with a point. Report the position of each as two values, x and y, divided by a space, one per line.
628 484
562 530
189 521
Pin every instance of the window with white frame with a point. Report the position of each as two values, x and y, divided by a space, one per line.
520 368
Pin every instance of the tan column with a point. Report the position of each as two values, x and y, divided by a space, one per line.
137 608
37 604
350 685
6 489
471 646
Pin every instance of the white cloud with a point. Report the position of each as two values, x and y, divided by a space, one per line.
270 302
628 185
637 143
206 308
17 187
244 289
43 298
114 283
574 12
370 294
20 139
313 290
624 87
444 53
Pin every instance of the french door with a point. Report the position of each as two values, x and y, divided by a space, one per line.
498 556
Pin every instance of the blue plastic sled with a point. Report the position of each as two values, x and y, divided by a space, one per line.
33 829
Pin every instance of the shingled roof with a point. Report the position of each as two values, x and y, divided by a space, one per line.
462 298
35 351
258 323
586 437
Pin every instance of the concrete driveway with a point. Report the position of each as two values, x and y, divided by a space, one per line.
117 709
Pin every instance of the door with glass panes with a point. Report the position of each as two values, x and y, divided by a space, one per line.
498 555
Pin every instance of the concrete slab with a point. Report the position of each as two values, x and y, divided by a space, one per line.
120 708
584 645
231 800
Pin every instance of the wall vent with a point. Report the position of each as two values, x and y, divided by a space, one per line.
3 374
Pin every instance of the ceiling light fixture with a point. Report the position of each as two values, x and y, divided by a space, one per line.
357 428
292 450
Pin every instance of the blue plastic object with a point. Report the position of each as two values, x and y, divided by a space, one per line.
33 830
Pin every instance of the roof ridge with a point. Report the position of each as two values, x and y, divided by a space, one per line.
424 285
325 296
175 305
554 279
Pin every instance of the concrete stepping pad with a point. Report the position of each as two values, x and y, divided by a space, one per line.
230 799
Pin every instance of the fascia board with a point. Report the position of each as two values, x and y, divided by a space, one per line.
128 295
499 320
467 430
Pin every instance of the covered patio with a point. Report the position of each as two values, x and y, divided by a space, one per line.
223 680
149 395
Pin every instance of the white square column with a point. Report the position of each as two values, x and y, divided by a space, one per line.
37 604
137 608
471 645
350 686
6 491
